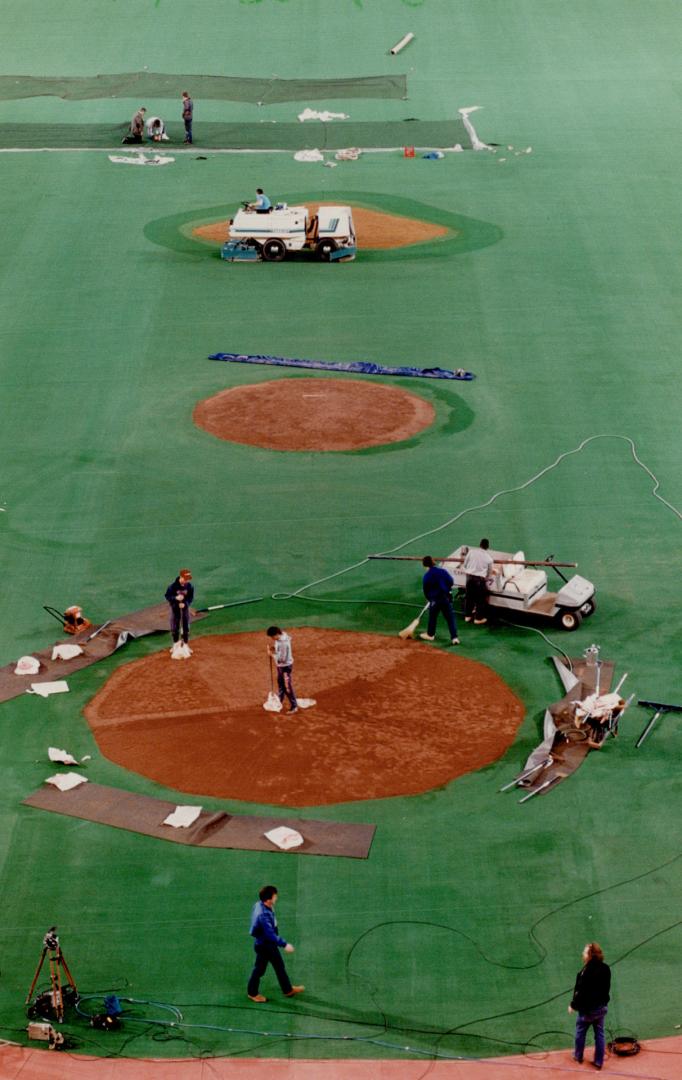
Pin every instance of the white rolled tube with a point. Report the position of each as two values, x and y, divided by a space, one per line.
401 44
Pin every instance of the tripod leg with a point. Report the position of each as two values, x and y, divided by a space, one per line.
55 978
68 974
35 977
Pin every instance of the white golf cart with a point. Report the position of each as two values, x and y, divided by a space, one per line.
521 587
329 234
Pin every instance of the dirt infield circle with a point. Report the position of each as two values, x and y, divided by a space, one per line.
314 414
375 230
392 718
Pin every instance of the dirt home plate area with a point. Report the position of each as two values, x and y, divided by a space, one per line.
392 718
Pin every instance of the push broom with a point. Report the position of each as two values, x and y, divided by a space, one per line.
410 631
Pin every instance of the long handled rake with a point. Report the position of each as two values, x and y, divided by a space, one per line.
272 702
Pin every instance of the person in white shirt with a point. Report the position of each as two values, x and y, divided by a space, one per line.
156 129
478 566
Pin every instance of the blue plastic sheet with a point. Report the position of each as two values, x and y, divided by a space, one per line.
357 367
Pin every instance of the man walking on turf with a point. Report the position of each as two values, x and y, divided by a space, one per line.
589 1001
478 566
187 115
267 944
280 651
437 584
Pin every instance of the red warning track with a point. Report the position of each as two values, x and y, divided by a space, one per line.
658 1060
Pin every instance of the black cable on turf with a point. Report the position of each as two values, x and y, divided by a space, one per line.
387 1026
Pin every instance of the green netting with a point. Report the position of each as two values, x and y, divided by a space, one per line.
150 84
269 135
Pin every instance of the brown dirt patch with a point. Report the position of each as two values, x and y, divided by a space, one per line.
375 231
392 718
314 414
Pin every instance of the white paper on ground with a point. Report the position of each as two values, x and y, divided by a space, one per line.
44 689
140 159
66 781
308 155
183 816
284 837
62 756
66 651
325 115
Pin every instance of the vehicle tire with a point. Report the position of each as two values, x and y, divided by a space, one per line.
569 620
325 248
274 250
588 608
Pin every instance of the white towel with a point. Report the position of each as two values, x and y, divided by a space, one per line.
66 781
62 756
284 837
182 817
44 689
66 651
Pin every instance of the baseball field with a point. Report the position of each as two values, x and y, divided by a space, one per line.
546 263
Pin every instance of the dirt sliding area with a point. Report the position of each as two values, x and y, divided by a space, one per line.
375 231
392 718
314 414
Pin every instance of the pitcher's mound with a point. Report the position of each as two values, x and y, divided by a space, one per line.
375 230
314 414
392 718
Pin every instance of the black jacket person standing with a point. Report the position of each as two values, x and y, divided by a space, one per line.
589 1001
180 594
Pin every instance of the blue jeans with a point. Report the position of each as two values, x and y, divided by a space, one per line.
188 129
285 686
583 1023
442 605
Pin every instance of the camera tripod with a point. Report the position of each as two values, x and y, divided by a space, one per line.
52 1000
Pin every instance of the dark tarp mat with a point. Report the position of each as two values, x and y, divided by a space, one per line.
267 135
151 620
142 814
569 747
357 367
151 84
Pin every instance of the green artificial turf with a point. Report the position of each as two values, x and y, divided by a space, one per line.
462 932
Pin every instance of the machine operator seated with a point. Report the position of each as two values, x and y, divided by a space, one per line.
261 204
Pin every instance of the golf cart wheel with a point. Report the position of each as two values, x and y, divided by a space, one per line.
325 248
569 620
588 608
274 250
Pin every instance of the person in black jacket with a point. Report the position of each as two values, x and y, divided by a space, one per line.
589 1001
180 594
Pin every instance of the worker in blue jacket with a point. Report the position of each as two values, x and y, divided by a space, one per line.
267 944
437 584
